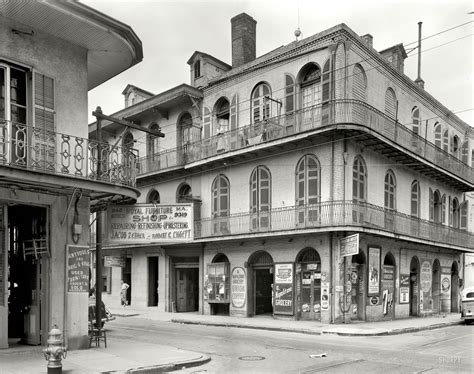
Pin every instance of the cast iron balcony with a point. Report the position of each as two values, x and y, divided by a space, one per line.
335 216
329 115
30 148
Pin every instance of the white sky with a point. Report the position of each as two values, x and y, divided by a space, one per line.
171 30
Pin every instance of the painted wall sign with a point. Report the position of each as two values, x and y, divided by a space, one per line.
145 223
78 268
324 295
283 289
373 276
404 288
349 245
238 287
116 261
426 276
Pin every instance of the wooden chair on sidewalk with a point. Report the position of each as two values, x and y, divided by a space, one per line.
96 335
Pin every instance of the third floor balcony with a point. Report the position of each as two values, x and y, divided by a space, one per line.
373 128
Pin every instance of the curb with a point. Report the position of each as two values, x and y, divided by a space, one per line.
321 332
169 367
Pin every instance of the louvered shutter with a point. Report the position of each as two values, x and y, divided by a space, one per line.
206 123
463 216
234 113
443 209
431 206
450 207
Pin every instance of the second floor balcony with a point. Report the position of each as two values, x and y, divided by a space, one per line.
338 115
333 216
30 149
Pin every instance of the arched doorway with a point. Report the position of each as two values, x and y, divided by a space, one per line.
436 287
222 117
388 287
308 280
357 292
414 288
260 283
454 288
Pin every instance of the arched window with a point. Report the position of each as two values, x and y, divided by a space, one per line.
184 194
185 126
220 204
197 69
128 141
289 94
308 188
359 180
153 142
390 191
359 83
260 105
390 104
222 115
455 146
415 199
416 120
455 213
260 197
310 88
153 197
446 140
326 94
437 133
465 152
436 206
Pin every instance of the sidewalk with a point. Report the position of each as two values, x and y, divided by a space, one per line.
155 358
267 322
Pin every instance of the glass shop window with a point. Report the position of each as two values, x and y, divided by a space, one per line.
217 284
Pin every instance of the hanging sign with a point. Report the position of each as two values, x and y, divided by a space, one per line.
349 245
283 289
117 261
77 268
150 223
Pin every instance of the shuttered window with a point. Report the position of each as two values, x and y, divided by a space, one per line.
463 216
390 103
415 199
326 82
446 141
289 94
431 205
206 123
415 117
359 84
44 102
437 132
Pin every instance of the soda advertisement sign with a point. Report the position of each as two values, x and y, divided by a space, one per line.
150 223
283 289
238 288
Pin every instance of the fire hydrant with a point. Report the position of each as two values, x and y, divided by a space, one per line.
55 351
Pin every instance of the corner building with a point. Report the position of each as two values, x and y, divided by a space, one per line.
285 157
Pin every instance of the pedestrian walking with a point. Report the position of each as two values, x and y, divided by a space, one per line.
123 294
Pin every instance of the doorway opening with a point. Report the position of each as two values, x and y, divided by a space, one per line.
357 291
436 288
414 289
309 284
127 278
27 240
153 284
454 288
261 283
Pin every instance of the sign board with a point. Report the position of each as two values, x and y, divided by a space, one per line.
117 261
404 288
283 289
238 288
426 276
445 283
77 268
373 276
149 223
349 245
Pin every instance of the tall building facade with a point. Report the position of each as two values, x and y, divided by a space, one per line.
326 185
51 54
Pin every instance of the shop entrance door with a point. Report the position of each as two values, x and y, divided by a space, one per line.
263 291
310 294
186 290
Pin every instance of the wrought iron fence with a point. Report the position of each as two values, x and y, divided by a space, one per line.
27 147
330 113
330 214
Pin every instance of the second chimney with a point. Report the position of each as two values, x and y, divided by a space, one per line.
243 39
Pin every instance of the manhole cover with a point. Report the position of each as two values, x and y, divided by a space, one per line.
251 358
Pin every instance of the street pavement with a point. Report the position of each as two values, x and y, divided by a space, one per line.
119 357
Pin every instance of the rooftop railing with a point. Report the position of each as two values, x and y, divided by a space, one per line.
32 148
331 113
332 214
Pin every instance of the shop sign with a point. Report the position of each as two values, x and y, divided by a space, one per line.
349 245
426 276
388 272
445 283
373 277
312 266
404 288
77 268
283 289
374 300
238 287
114 261
145 223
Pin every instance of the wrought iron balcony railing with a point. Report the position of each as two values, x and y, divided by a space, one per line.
331 113
329 215
26 147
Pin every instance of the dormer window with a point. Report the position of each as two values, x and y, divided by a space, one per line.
197 69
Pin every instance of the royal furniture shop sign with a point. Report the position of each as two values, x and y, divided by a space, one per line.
148 223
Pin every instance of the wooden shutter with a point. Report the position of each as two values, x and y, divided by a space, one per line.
289 94
359 84
443 209
207 123
431 206
463 216
44 102
450 207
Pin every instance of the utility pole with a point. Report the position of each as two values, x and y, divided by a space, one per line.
98 246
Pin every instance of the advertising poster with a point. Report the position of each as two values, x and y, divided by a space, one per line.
349 245
445 283
77 268
145 223
404 288
373 276
324 295
238 287
283 289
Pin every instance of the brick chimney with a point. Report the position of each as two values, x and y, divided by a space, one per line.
243 39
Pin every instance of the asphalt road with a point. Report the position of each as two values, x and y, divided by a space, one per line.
236 350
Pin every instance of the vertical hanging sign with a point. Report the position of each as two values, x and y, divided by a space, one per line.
283 289
77 268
